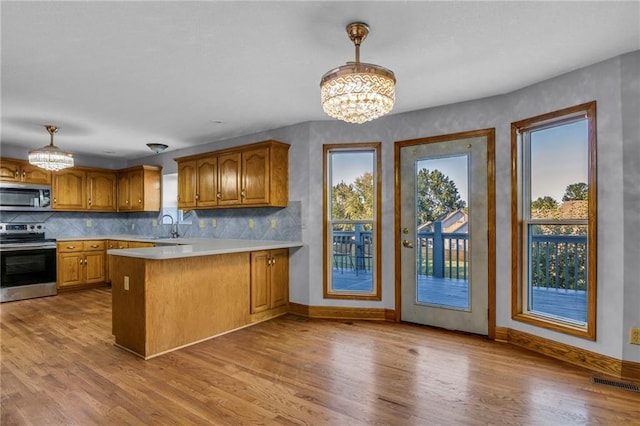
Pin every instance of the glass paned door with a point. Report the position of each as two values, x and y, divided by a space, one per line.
444 215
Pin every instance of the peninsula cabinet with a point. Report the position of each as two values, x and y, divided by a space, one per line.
139 189
84 189
269 279
255 175
20 171
81 264
120 244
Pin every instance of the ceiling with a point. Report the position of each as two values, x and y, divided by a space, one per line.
115 76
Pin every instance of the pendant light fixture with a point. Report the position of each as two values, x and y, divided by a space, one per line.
358 92
51 157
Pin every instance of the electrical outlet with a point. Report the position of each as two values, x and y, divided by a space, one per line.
273 224
133 226
214 223
126 283
634 336
154 222
252 223
202 225
89 223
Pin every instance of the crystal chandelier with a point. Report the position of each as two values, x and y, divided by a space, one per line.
358 92
50 157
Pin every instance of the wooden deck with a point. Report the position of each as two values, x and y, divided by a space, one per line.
454 293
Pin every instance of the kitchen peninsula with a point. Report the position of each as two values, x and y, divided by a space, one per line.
169 297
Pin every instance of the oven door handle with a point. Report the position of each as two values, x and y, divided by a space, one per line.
24 248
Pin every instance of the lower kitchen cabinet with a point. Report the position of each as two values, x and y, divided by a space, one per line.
121 244
81 263
269 279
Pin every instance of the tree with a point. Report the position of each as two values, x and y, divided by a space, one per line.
576 191
353 201
437 195
544 207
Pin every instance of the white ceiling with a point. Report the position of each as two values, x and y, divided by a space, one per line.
115 76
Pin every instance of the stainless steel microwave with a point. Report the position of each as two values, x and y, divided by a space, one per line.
25 197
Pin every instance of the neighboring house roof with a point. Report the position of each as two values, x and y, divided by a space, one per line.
455 221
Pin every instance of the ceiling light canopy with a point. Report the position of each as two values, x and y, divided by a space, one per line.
157 147
358 92
51 157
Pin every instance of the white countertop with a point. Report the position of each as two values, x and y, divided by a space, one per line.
190 247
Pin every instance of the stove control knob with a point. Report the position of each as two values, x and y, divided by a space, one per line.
32 226
39 226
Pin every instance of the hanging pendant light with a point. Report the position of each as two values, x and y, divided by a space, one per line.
51 157
358 92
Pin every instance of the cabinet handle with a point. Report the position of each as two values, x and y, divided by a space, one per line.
89 201
94 246
55 201
197 196
218 195
243 194
273 260
269 262
139 201
24 174
71 247
17 173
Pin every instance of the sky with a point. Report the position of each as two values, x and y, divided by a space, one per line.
554 165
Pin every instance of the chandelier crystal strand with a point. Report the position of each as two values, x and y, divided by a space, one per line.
51 157
357 92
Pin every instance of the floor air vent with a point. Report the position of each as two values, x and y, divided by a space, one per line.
622 385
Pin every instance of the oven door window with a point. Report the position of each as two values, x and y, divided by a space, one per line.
25 267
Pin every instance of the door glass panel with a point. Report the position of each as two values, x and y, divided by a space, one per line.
442 232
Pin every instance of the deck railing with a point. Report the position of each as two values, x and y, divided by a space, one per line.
557 261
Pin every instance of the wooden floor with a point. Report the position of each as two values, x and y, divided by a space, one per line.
59 366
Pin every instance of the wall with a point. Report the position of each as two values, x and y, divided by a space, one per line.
630 96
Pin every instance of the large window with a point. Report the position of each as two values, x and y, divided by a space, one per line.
554 220
352 221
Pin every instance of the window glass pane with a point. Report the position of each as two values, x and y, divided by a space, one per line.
442 250
352 258
352 195
558 271
559 170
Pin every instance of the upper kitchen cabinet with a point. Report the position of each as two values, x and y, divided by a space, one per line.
255 175
139 189
13 170
198 182
82 189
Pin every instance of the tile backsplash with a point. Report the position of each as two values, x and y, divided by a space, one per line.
282 224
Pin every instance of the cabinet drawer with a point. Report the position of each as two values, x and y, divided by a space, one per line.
70 246
94 245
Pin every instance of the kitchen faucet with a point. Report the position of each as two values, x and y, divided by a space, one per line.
174 227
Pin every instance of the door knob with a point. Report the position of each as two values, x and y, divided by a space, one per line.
407 243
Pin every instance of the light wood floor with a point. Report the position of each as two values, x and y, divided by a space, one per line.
59 366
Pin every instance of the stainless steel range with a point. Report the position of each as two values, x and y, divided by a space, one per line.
27 262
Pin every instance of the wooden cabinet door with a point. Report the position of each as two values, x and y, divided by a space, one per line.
259 281
229 179
187 184
10 170
207 185
124 203
140 244
136 190
101 188
69 190
70 268
94 267
255 176
279 277
35 175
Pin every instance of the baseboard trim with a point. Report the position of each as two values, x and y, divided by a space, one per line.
631 370
577 356
343 312
502 334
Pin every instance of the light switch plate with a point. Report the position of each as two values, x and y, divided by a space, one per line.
252 223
